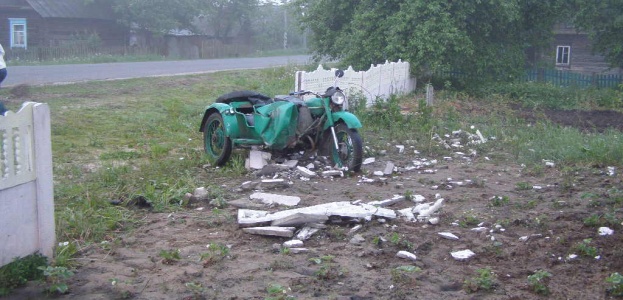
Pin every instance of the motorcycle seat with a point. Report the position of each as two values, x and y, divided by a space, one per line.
294 100
253 97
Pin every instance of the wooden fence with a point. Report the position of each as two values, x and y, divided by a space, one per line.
26 188
38 54
379 81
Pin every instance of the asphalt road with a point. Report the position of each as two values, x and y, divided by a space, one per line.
62 74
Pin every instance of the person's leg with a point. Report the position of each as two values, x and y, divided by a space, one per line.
3 73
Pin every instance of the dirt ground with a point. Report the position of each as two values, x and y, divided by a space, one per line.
548 206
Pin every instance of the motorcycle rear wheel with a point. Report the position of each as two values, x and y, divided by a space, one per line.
217 145
350 147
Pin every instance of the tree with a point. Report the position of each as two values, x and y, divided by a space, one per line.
603 20
219 18
484 38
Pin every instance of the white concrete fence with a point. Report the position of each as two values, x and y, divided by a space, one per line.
379 81
26 187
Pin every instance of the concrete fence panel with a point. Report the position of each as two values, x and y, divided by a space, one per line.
26 188
380 81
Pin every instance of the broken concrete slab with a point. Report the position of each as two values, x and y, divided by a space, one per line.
258 159
298 250
368 160
462 254
357 239
306 172
269 199
341 209
299 218
406 255
389 168
448 235
387 202
274 183
271 230
332 173
293 244
306 232
245 203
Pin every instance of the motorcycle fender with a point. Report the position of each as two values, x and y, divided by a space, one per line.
348 118
230 120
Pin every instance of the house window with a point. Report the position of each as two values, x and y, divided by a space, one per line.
563 54
18 33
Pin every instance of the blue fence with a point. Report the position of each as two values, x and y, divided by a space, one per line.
566 78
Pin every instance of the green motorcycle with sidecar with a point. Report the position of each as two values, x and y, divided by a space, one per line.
302 120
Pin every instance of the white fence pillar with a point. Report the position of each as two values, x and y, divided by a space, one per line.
26 187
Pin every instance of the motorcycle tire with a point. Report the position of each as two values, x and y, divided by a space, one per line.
350 144
217 145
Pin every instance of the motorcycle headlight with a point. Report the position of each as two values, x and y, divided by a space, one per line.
338 98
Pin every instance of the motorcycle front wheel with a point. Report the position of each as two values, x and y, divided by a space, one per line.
350 147
216 143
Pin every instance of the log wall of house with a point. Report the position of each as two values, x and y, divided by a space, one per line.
582 59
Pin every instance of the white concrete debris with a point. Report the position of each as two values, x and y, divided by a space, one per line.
378 173
293 244
524 238
275 199
273 183
401 148
462 254
389 168
306 232
611 171
306 172
448 235
291 163
418 198
549 163
605 231
479 229
258 159
343 209
200 193
433 221
332 173
387 202
424 210
354 229
298 219
482 138
357 239
406 255
368 160
298 250
271 230
407 214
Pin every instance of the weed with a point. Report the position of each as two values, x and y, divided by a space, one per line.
20 271
169 256
277 292
395 238
616 284
584 248
538 282
56 278
404 274
523 186
216 252
64 253
196 288
328 269
498 201
377 241
469 220
484 280
593 220
409 195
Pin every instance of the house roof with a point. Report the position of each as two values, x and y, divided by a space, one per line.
75 9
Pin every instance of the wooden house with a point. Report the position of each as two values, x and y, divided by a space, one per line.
48 23
572 51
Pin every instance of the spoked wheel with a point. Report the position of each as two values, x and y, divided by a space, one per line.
350 150
216 143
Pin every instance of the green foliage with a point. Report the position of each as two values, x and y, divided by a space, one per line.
404 274
602 19
216 252
616 284
169 256
485 280
498 201
278 292
20 271
432 35
584 248
328 270
56 278
538 282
